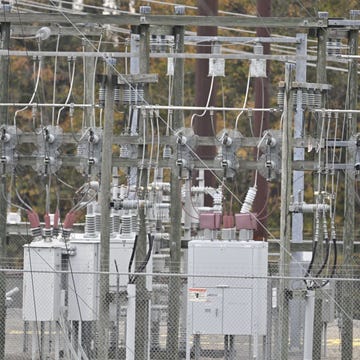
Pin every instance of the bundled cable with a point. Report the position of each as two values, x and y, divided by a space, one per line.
314 284
142 266
132 259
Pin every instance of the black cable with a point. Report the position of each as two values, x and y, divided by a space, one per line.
132 260
333 270
325 259
130 120
138 121
308 271
324 263
148 255
143 265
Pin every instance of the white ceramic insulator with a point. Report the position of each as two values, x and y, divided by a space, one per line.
249 200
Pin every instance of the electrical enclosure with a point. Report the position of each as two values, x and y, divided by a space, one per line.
233 301
83 283
42 283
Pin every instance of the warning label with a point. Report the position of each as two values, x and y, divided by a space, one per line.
197 294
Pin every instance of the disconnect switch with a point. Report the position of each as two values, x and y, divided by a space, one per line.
7 149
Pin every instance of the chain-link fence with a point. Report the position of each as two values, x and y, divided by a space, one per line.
77 315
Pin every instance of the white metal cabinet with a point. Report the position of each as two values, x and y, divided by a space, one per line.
42 281
83 283
231 278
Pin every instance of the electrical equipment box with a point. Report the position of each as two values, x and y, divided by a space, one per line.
227 287
83 282
42 282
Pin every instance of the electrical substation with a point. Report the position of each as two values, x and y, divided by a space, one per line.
151 260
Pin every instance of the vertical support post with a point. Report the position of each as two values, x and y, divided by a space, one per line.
297 305
134 69
57 341
130 322
89 90
4 74
34 342
285 217
298 176
142 300
4 70
309 321
172 342
105 191
261 121
117 321
349 211
203 126
320 78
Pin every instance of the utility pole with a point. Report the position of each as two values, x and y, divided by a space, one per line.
89 85
296 305
105 193
87 327
261 121
4 74
349 226
172 342
142 297
321 78
285 217
202 125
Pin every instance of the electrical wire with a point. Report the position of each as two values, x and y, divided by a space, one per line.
28 207
327 247
53 7
332 219
188 214
223 102
169 112
233 29
148 255
63 182
158 141
327 152
126 59
333 158
8 201
95 66
132 256
72 77
260 132
142 266
34 92
207 103
81 204
212 122
151 118
245 100
143 151
55 78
